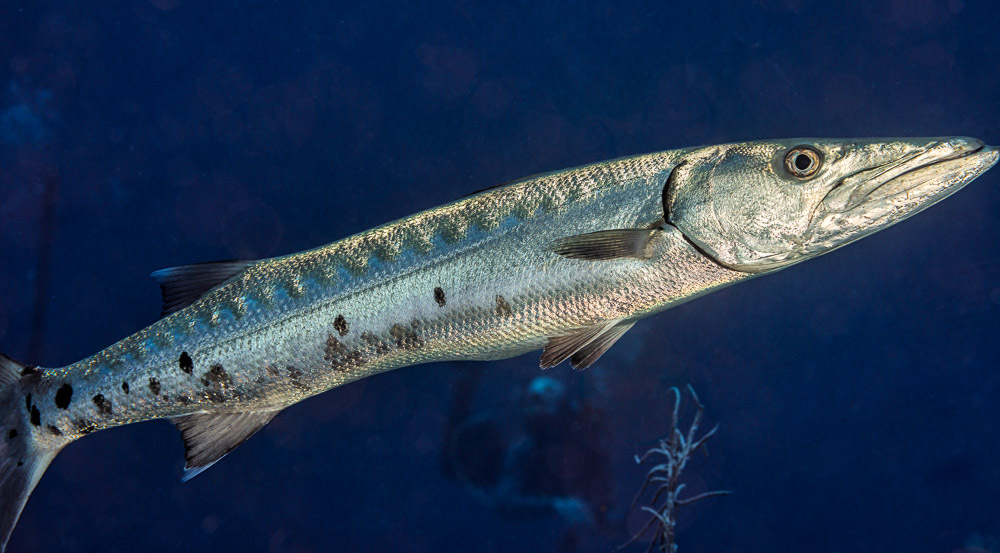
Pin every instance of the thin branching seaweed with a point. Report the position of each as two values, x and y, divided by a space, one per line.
676 449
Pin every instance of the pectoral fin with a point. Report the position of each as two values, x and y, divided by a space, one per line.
210 436
583 346
607 244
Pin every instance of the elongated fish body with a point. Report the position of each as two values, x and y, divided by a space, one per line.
564 262
470 280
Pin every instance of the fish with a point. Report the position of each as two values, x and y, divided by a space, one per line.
565 262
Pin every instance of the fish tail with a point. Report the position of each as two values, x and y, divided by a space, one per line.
23 459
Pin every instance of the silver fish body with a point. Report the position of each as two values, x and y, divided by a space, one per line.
566 261
470 280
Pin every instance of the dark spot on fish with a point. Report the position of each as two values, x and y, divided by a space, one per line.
53 430
103 405
340 325
29 369
381 348
83 426
183 400
503 310
213 395
12 434
333 348
185 362
154 386
36 416
439 296
20 463
27 402
415 323
295 377
272 371
353 359
63 396
339 357
124 386
405 338
216 376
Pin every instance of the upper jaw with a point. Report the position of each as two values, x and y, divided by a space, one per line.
873 199
901 175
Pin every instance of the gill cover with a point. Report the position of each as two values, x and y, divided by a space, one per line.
742 205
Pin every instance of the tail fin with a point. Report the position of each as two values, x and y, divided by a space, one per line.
22 460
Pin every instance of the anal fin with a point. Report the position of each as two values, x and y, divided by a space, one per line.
607 244
583 346
210 436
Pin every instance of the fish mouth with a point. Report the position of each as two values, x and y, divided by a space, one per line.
937 163
873 199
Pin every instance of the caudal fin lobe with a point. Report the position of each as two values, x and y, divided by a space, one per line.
22 460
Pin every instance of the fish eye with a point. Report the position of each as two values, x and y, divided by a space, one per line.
802 162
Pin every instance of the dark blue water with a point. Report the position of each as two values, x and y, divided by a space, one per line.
855 394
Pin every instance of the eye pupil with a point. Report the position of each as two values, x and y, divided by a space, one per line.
803 162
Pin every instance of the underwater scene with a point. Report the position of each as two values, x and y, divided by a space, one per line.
844 404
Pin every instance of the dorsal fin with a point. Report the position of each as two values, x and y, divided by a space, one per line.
607 244
10 371
585 345
512 181
210 436
183 285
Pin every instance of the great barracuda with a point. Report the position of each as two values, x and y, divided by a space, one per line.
565 262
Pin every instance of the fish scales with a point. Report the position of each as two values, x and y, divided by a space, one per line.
276 318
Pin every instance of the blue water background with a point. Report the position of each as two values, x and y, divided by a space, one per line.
856 394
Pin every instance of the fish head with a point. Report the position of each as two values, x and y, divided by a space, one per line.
759 206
